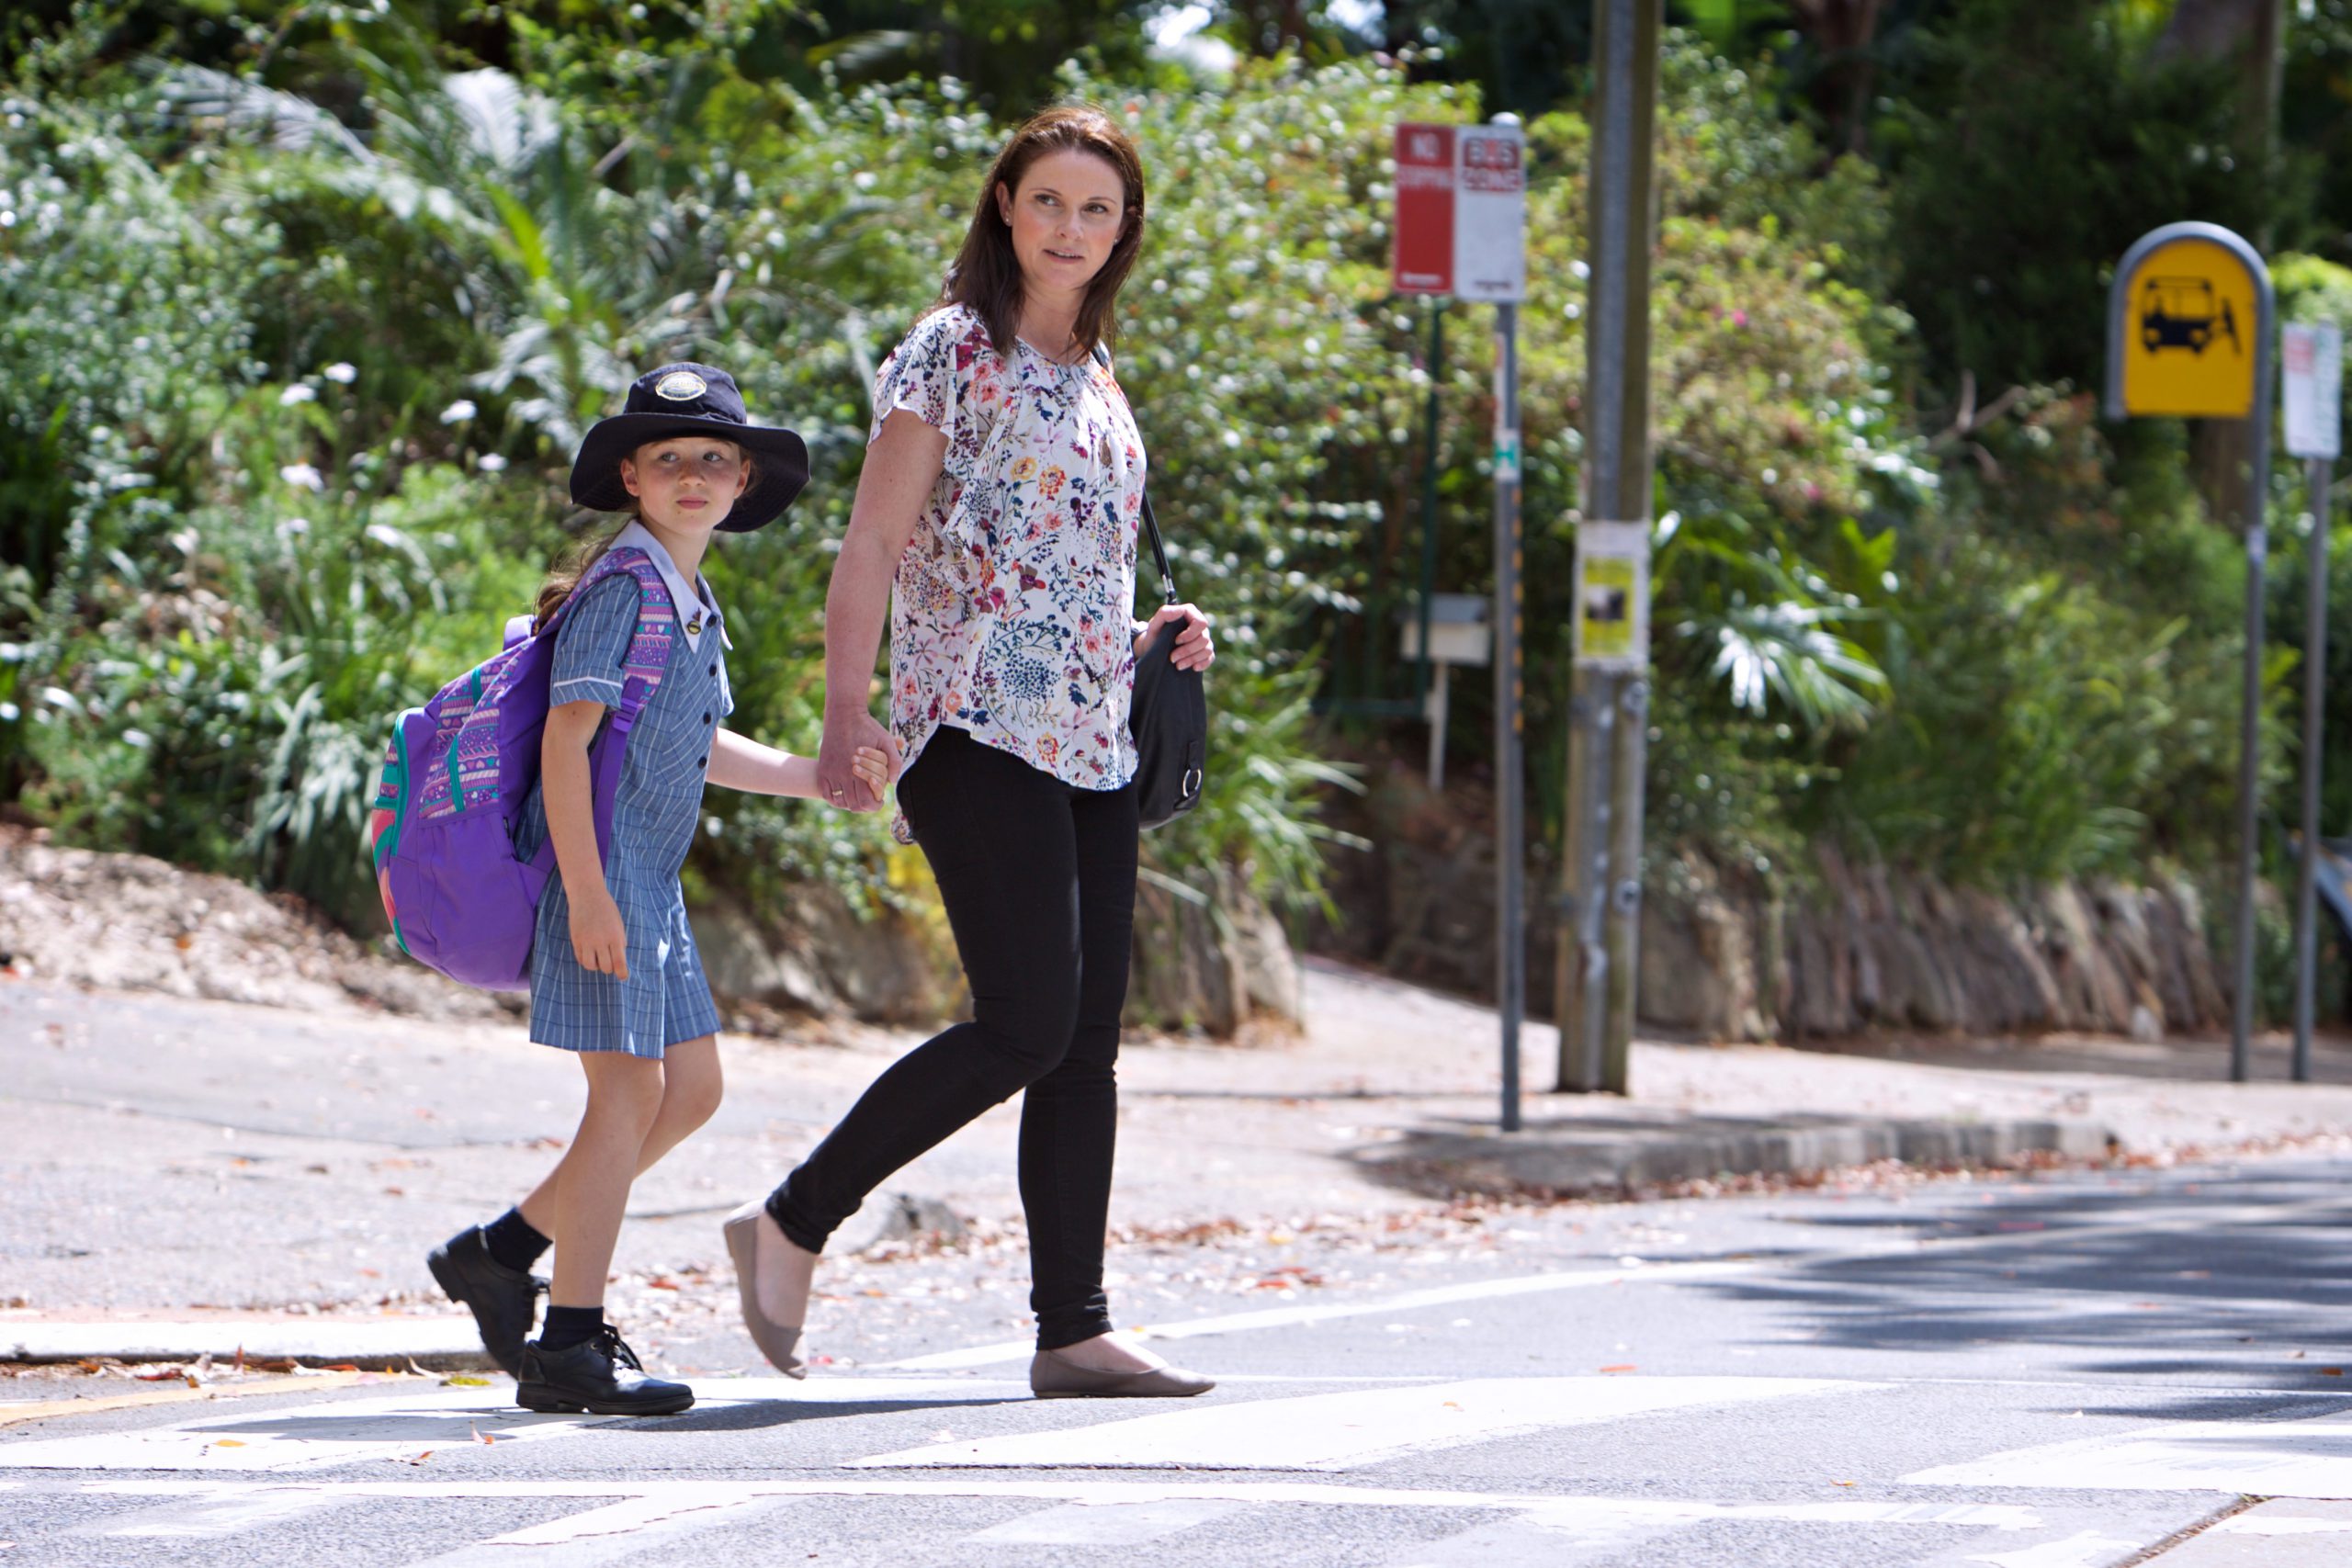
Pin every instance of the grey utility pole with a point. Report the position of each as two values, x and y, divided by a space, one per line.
1600 949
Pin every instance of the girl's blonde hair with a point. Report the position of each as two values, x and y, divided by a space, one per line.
564 577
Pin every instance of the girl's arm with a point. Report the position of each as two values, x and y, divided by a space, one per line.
597 935
739 762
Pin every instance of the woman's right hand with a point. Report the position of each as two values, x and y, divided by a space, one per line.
599 938
838 780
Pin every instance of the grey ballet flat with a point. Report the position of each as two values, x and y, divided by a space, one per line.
1053 1375
778 1343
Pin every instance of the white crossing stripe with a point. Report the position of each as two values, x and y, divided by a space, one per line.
1321 1494
1105 1523
1285 1317
1540 1538
616 1530
2289 1518
1338 1431
2308 1457
401 1426
2083 1549
230 1515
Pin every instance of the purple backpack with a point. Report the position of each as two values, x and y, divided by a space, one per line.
459 771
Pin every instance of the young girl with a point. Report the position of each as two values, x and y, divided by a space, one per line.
614 972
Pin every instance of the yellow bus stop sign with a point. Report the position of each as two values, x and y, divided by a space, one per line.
2189 332
2189 327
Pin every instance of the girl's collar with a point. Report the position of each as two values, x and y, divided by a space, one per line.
696 605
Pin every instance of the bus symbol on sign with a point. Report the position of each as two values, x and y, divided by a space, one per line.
1426 147
2182 312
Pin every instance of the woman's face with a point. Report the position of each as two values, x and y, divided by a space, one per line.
1066 219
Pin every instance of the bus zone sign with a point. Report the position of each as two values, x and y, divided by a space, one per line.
1461 212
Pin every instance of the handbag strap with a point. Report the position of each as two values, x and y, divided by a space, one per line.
1150 523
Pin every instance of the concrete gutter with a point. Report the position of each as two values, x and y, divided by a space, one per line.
1606 1158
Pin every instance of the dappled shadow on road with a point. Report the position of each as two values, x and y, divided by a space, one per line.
759 1414
2240 1280
434 1429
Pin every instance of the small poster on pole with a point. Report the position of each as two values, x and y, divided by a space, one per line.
2311 363
1613 596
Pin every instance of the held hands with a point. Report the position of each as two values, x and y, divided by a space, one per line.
873 768
855 760
1195 650
598 939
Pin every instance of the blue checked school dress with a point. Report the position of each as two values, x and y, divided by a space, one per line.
665 998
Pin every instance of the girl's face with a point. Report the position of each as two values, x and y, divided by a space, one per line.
1066 219
688 482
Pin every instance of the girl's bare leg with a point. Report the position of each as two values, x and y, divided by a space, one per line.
692 1086
625 1096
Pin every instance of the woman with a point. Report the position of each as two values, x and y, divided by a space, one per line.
1003 487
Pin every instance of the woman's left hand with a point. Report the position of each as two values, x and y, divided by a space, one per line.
1195 650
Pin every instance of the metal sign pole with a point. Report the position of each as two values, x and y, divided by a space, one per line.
2314 718
2258 551
1510 984
2249 783
1461 230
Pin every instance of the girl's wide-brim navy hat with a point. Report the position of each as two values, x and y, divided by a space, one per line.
690 400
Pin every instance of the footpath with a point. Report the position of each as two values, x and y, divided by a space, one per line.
187 1177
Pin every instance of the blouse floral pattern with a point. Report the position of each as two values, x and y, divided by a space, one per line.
1011 616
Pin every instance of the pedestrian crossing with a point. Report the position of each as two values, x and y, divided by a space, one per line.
1034 1481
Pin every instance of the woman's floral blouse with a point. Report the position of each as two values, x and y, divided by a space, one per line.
1011 616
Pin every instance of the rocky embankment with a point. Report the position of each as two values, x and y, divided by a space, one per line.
1841 950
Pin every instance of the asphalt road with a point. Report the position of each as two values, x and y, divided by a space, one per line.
2034 1372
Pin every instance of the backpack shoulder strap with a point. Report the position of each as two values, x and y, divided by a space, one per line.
1150 523
657 622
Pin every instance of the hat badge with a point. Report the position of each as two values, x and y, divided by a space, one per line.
680 386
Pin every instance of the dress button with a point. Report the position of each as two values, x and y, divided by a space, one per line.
706 718
705 762
714 669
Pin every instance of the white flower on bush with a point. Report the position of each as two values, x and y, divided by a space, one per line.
463 409
293 526
341 373
300 392
138 738
491 463
304 476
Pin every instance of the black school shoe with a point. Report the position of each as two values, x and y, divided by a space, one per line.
504 1301
601 1376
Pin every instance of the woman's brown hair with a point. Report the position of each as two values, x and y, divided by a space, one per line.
987 274
564 577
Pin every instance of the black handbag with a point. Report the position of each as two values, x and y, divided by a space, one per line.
1169 713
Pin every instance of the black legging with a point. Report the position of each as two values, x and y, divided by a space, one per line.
1039 881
